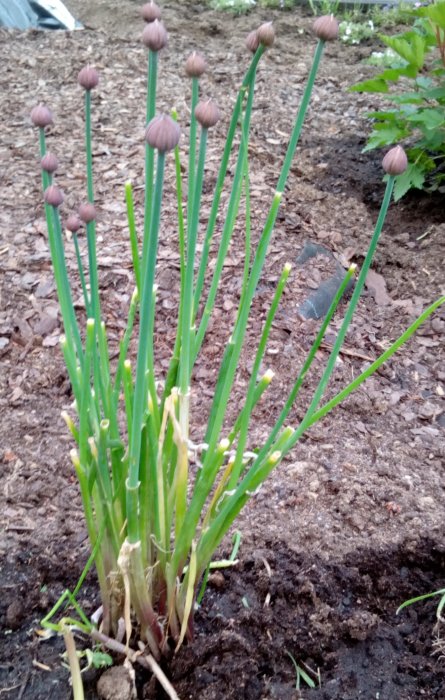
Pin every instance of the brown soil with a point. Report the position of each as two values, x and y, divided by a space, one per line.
352 523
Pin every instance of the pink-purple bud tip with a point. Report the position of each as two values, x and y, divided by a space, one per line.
41 116
87 212
49 163
326 28
195 65
150 11
163 133
395 162
207 113
88 78
155 36
53 196
73 223
266 34
252 41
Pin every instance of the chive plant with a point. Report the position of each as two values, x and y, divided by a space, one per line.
154 522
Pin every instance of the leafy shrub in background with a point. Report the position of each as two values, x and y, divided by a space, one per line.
417 65
159 499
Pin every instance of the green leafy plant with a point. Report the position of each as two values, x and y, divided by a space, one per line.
418 119
158 504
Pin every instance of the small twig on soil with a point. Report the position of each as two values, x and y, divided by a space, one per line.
351 353
147 661
24 684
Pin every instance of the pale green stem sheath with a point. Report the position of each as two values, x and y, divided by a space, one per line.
81 274
249 402
149 151
192 150
260 388
88 146
124 343
144 350
133 233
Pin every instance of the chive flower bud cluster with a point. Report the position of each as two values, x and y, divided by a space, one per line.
252 41
150 12
49 163
87 212
195 65
395 162
155 35
326 28
88 78
41 116
207 113
266 34
163 133
73 223
54 196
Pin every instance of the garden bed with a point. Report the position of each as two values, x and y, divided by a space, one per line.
352 523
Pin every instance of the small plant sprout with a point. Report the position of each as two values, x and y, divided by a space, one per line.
157 503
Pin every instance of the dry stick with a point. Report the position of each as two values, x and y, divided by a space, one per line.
147 661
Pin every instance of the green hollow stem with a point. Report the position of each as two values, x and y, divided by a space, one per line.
229 223
354 300
246 86
81 274
249 402
88 146
133 233
192 149
307 365
187 292
124 344
145 349
149 151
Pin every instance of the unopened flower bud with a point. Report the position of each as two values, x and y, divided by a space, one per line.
41 116
326 28
73 223
207 113
53 196
49 163
87 212
266 34
395 162
155 35
88 78
252 41
150 11
163 133
195 65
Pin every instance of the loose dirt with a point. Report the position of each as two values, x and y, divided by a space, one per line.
352 523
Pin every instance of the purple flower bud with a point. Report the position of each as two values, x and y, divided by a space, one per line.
87 212
88 78
41 116
207 113
49 163
163 133
195 65
326 28
53 196
266 34
395 162
155 36
252 41
73 223
150 11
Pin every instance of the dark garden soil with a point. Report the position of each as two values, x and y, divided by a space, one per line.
352 523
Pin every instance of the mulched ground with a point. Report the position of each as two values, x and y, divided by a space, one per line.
352 523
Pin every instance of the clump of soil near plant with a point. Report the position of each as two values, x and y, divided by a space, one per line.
349 526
